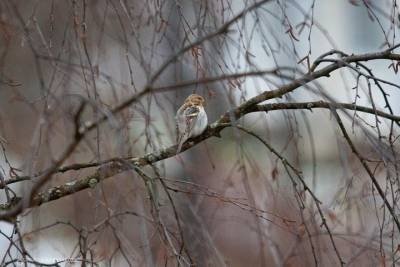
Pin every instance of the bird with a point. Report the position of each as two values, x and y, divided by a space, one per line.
191 119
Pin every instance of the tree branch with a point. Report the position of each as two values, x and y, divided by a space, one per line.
114 167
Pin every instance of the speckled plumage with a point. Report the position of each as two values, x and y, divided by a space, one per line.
191 119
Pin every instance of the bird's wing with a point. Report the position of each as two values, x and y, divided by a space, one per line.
191 114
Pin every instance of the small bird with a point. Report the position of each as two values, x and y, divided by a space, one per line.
191 119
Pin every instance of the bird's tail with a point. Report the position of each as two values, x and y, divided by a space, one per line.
180 144
181 140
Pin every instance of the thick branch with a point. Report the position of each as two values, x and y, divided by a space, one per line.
248 106
257 108
119 165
